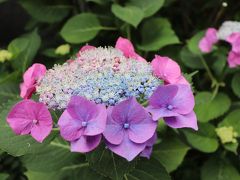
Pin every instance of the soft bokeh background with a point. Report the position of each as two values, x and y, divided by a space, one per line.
32 30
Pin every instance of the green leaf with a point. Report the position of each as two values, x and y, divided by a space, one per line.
3 176
233 120
170 152
231 147
219 60
130 14
9 86
149 7
219 169
44 12
205 139
109 164
207 109
157 33
192 44
1 1
81 28
14 144
148 170
73 172
24 50
51 157
190 60
236 84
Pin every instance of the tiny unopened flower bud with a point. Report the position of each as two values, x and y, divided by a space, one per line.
62 49
226 134
5 55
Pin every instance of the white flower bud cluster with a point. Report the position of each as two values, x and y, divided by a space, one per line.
227 28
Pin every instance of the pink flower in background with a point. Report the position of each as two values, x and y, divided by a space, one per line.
129 126
234 40
127 48
167 70
233 59
29 117
207 42
82 124
173 103
30 78
149 146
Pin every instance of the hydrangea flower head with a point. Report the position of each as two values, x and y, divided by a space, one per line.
103 75
29 117
173 103
207 42
30 80
101 92
129 126
82 124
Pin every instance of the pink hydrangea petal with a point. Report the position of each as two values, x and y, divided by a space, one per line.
158 113
182 121
166 69
85 48
85 143
35 72
205 46
182 80
127 48
70 128
20 126
211 35
114 131
127 149
234 40
233 59
19 119
39 132
162 95
141 132
207 42
26 91
98 124
81 108
183 102
147 152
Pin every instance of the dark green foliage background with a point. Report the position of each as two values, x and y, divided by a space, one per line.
32 29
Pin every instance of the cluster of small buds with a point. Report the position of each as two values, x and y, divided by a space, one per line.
103 75
227 28
227 134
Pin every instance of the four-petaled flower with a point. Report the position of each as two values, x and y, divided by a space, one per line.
82 124
173 103
29 117
128 128
30 78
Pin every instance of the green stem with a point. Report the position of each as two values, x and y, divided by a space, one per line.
210 74
128 30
